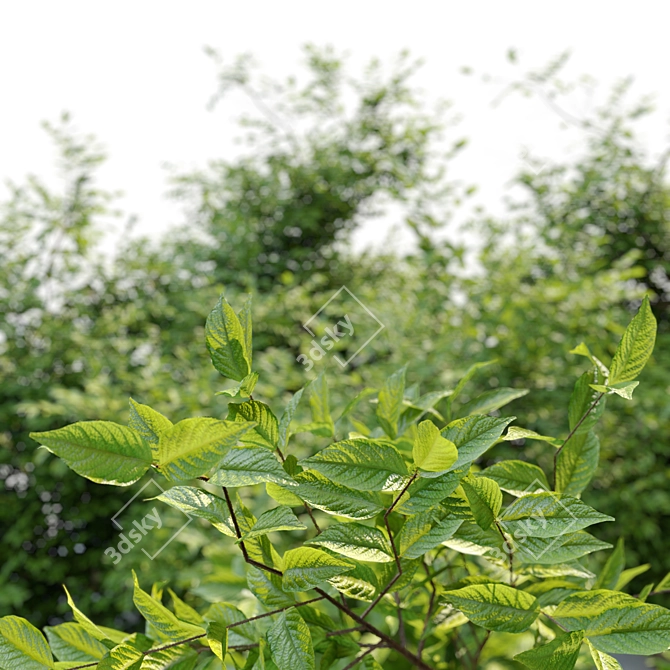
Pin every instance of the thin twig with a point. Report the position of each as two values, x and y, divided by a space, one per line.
388 587
344 631
480 648
510 546
574 430
360 657
388 641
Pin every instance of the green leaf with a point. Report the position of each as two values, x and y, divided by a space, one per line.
360 583
517 477
629 575
548 515
390 403
22 646
274 520
230 616
244 316
635 347
559 654
616 623
283 495
425 493
425 531
495 607
244 389
603 661
291 643
473 436
266 431
149 423
611 571
184 611
217 638
267 587
205 505
432 452
623 389
102 451
337 499
365 465
576 463
554 550
492 400
71 642
192 447
663 584
644 594
485 499
305 568
227 342
107 636
583 399
357 541
164 622
318 402
287 417
247 466
122 657
517 433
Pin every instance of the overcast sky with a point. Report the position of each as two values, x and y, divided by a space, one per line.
134 73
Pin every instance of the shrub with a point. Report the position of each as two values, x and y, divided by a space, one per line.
416 558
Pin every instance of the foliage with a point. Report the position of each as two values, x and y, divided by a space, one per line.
436 564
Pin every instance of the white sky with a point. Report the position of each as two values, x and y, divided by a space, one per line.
134 73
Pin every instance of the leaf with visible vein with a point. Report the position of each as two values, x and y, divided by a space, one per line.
163 621
474 436
356 541
266 431
291 643
635 347
485 499
576 463
495 607
616 623
366 465
517 477
323 494
102 451
200 503
71 642
247 466
548 515
22 646
192 447
226 342
305 568
274 520
559 654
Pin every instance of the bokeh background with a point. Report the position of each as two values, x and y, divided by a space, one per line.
502 201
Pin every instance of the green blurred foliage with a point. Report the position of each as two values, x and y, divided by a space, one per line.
83 329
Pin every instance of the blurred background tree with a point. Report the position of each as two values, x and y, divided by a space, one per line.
84 327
